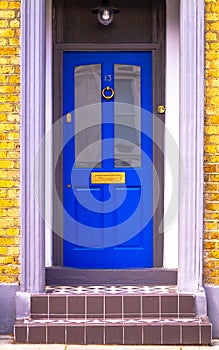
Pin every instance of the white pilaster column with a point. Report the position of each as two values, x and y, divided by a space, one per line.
32 130
191 145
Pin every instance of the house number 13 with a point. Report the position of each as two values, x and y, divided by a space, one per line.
108 77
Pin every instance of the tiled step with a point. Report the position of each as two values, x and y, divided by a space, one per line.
194 331
113 315
112 302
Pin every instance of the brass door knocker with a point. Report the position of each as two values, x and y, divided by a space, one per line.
108 97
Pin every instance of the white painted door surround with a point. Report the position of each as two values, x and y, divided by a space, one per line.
170 253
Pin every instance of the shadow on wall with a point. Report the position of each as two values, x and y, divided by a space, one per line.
212 293
7 307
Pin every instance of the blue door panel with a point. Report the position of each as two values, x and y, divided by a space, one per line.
105 209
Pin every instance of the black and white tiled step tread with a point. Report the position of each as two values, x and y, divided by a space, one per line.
195 331
112 290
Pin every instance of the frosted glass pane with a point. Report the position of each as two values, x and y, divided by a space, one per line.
127 145
87 81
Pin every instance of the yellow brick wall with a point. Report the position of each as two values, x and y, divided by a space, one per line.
211 234
9 140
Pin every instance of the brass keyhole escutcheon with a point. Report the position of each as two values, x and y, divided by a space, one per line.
108 97
161 109
68 185
68 118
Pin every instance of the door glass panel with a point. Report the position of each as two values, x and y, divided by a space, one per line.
127 144
87 81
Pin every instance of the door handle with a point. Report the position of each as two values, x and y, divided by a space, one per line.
161 109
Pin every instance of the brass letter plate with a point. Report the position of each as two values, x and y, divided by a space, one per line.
108 177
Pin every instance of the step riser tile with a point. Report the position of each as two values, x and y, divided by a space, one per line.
56 334
39 306
94 306
152 335
114 335
132 333
37 334
57 306
75 335
112 306
186 305
20 334
76 307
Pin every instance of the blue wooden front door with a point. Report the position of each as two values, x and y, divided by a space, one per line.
107 160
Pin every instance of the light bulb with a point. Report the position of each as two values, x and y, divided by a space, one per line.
105 17
106 14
